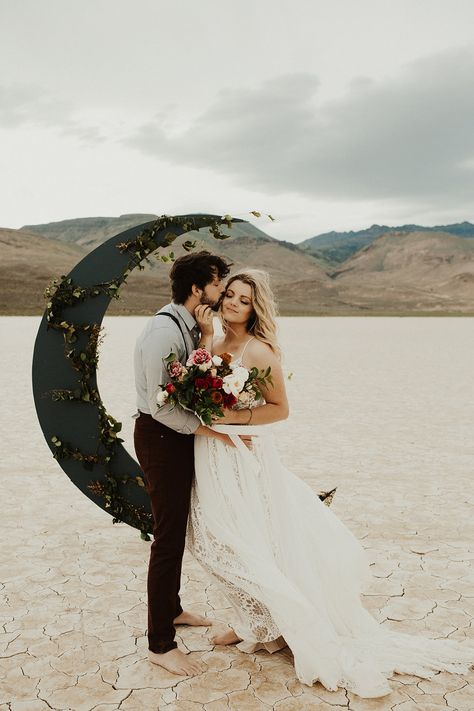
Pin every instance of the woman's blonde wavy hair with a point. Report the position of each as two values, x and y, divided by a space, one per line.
262 322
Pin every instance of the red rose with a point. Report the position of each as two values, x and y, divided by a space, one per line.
203 383
217 397
216 382
170 388
229 400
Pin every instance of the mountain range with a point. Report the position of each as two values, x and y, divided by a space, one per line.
335 247
405 270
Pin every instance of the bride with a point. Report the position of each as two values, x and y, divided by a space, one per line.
290 568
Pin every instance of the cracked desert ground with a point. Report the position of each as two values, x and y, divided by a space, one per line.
381 408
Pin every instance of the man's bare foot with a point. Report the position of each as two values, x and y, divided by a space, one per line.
176 662
228 637
187 618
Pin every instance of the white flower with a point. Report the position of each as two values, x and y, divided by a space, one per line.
235 381
241 373
205 366
216 360
161 397
231 385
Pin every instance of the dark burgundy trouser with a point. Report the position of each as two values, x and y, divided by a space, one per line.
167 460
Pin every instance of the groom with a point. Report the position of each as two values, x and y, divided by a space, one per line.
164 444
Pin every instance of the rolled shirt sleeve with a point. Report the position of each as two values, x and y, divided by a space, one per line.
150 373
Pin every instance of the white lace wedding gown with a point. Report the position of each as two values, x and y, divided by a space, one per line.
294 573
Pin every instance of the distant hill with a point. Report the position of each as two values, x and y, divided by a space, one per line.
424 271
89 232
333 248
398 272
146 291
28 262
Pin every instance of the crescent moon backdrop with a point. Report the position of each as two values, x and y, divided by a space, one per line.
78 422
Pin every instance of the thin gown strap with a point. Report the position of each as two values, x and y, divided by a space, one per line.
243 350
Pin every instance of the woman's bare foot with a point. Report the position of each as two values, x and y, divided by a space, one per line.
176 662
187 618
228 637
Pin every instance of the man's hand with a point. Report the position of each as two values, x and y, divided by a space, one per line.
208 432
204 316
247 440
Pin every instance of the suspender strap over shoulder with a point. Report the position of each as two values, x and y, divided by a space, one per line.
173 318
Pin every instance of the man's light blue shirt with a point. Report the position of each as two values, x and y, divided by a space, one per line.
160 337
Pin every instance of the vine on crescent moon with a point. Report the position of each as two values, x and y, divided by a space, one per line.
107 484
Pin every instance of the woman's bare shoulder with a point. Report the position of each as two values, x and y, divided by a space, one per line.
258 353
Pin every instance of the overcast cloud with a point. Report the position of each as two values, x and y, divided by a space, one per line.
411 136
31 106
328 114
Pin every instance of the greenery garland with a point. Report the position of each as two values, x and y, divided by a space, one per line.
62 293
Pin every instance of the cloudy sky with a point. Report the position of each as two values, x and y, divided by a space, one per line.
327 114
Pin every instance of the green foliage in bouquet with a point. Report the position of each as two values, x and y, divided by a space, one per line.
207 384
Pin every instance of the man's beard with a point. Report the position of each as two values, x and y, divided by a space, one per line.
207 301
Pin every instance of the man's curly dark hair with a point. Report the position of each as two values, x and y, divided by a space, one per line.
199 268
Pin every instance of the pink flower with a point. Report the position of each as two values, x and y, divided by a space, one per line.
200 357
175 369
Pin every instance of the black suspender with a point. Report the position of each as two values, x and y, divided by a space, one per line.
173 318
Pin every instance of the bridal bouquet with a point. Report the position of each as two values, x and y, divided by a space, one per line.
207 384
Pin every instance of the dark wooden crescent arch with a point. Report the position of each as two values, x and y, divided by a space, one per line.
78 423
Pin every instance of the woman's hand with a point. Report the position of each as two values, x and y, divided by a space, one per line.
204 316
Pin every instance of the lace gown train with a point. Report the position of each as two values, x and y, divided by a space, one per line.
294 572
